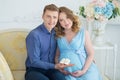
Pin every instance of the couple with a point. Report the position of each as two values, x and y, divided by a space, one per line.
59 36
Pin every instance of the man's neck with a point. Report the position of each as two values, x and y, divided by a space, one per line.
49 29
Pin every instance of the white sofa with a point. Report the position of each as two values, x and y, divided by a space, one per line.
13 54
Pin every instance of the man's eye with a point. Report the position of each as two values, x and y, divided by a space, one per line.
54 17
60 20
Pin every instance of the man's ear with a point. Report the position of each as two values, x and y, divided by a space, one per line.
42 16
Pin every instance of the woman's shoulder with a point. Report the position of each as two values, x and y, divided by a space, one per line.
81 29
84 30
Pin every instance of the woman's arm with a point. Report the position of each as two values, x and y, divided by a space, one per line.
90 56
90 51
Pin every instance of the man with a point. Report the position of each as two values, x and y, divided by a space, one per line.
41 49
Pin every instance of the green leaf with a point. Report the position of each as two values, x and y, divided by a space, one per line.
119 11
82 9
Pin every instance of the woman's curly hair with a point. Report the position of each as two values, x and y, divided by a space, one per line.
76 23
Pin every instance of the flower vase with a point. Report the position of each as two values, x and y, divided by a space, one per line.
98 32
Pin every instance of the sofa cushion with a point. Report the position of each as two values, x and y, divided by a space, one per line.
19 75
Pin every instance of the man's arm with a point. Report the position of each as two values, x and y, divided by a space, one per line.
33 50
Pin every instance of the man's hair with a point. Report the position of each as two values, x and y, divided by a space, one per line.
51 7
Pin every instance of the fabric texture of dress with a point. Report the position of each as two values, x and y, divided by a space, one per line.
75 51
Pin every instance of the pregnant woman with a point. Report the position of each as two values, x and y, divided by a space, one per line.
74 44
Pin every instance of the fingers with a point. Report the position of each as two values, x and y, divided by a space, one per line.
77 73
64 72
69 65
62 66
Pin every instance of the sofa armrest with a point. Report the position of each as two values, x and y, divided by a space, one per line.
5 72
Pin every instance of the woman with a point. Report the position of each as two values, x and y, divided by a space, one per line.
74 44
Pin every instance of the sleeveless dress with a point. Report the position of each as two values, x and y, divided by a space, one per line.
75 51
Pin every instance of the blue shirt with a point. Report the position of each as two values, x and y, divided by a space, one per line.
41 48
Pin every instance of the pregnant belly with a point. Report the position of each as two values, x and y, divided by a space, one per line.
74 59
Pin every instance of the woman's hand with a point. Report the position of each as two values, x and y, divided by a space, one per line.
78 73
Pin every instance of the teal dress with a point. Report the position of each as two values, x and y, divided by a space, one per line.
75 51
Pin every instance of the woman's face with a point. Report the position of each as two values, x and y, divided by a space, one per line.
65 22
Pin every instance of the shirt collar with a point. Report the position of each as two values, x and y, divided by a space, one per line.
45 30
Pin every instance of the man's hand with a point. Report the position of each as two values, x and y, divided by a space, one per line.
62 66
64 72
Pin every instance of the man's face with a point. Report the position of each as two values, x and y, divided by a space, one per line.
50 19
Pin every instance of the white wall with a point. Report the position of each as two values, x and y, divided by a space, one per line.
27 14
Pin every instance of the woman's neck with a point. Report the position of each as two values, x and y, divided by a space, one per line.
68 31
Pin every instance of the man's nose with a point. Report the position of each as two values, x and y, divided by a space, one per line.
51 19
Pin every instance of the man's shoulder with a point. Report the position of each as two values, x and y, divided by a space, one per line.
36 31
